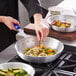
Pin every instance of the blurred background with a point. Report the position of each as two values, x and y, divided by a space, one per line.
23 14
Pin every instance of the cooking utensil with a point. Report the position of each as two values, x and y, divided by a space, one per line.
62 18
20 30
32 41
26 67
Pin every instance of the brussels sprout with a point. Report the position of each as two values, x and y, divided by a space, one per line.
2 73
13 72
9 74
5 71
25 74
10 69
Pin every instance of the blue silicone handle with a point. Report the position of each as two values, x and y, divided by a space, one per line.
17 26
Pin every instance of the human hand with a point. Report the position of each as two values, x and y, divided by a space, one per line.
9 22
42 30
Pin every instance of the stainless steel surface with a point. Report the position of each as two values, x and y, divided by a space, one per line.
67 18
28 68
32 41
8 53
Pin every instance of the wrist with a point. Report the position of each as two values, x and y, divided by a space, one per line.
37 18
2 18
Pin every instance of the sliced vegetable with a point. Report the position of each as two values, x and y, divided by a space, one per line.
41 50
13 72
51 54
27 49
42 46
9 74
62 24
2 73
5 71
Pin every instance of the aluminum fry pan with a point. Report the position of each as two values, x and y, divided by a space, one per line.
32 41
66 18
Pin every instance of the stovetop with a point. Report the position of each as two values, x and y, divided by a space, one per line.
65 65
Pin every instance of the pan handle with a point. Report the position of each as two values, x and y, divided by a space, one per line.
17 26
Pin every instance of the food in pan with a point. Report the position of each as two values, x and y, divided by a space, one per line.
62 24
39 51
13 72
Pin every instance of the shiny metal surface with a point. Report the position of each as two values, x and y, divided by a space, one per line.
32 41
26 67
66 18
